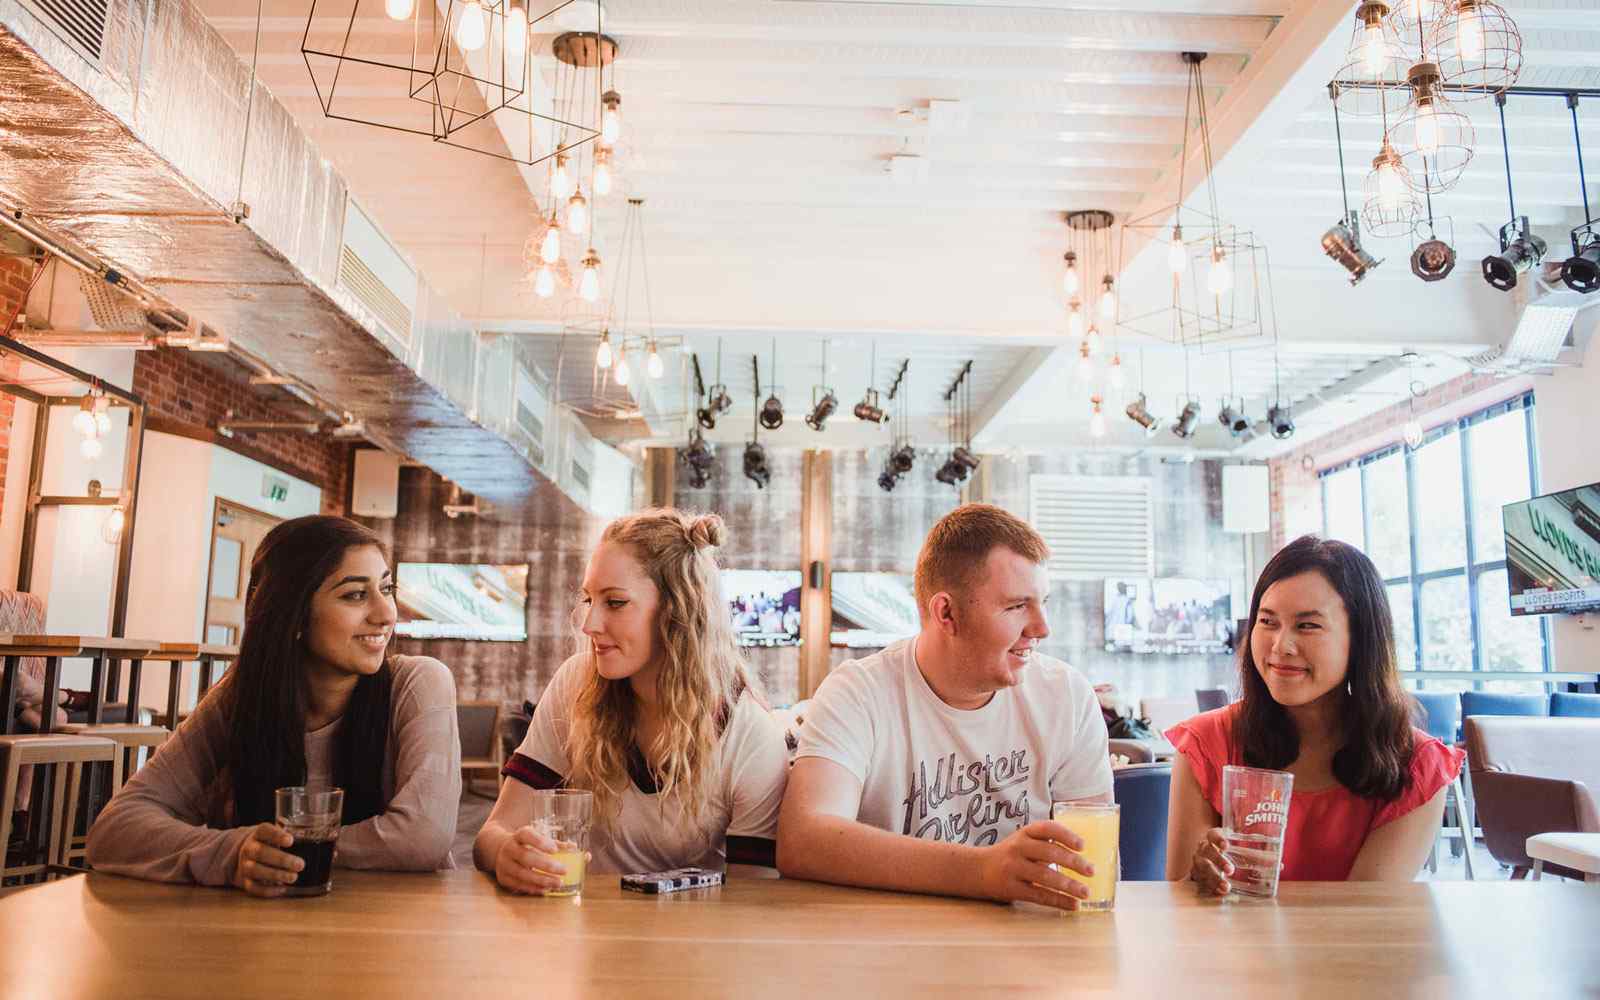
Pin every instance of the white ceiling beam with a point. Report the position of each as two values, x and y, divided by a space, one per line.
1033 367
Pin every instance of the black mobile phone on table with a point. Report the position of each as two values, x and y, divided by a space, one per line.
675 880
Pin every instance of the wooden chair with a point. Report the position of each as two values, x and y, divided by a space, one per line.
479 725
129 740
68 754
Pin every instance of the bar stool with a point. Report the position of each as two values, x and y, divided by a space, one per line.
69 754
129 741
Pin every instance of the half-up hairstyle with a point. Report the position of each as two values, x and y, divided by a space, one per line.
1374 755
699 678
264 697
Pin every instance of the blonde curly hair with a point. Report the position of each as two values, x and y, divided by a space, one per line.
700 675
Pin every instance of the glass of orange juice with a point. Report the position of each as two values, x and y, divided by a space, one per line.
564 815
1099 824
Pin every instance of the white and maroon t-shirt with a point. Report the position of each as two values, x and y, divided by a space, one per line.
965 776
740 826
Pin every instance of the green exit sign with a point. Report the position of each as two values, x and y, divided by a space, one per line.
274 488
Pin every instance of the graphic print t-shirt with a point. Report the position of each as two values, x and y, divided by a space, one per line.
940 773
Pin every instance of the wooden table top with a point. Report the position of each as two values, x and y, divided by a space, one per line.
17 644
454 934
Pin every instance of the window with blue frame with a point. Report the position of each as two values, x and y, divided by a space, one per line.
1429 518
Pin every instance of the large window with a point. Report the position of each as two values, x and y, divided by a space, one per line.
1430 520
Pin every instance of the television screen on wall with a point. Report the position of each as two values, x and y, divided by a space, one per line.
764 605
872 610
1553 552
1168 615
462 601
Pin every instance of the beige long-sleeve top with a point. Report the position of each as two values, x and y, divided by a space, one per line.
172 822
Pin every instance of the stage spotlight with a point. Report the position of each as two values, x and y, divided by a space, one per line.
822 410
1139 412
1581 271
755 465
1432 260
902 459
718 400
1281 422
1517 255
772 413
1184 426
1342 242
869 410
706 417
1233 420
965 458
887 480
951 473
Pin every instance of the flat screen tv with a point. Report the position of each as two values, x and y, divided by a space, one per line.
872 610
764 605
1168 615
462 601
1553 552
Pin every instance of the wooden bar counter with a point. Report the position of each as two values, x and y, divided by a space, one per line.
455 935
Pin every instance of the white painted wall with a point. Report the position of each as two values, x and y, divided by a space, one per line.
1567 413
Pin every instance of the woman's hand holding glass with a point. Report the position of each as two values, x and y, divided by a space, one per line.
526 862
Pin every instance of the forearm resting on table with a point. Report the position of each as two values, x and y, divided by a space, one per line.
827 848
486 845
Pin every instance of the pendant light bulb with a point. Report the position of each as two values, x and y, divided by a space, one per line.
653 363
102 423
578 213
610 119
111 527
91 448
623 372
1094 341
1220 280
1108 300
1428 127
550 247
544 283
602 354
1085 362
560 180
1469 31
1392 187
398 10
602 173
1097 420
1069 281
83 421
1177 253
1116 376
589 285
516 41
1374 47
1413 434
471 31
1075 322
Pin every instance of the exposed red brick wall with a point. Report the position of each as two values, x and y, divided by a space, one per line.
177 387
14 277
1296 494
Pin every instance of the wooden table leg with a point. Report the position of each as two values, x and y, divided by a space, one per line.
52 694
208 668
174 685
8 695
135 673
114 679
97 689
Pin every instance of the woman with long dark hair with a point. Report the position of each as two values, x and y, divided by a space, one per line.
314 699
1322 700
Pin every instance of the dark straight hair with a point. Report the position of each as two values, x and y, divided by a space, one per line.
1374 755
265 695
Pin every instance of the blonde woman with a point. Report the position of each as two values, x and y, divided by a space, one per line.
656 716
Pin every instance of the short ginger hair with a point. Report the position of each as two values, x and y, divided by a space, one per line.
955 550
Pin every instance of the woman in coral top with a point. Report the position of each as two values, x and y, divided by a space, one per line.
1322 700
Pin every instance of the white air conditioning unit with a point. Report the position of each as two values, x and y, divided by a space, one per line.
378 277
531 415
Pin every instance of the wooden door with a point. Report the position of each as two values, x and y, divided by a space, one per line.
236 532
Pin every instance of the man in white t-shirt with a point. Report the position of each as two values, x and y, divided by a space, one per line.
931 766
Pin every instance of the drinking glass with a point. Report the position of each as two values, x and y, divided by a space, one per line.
564 815
1255 816
312 816
1099 824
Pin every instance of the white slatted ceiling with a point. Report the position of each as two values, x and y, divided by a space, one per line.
1096 526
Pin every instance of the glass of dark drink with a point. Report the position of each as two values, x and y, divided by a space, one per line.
312 816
